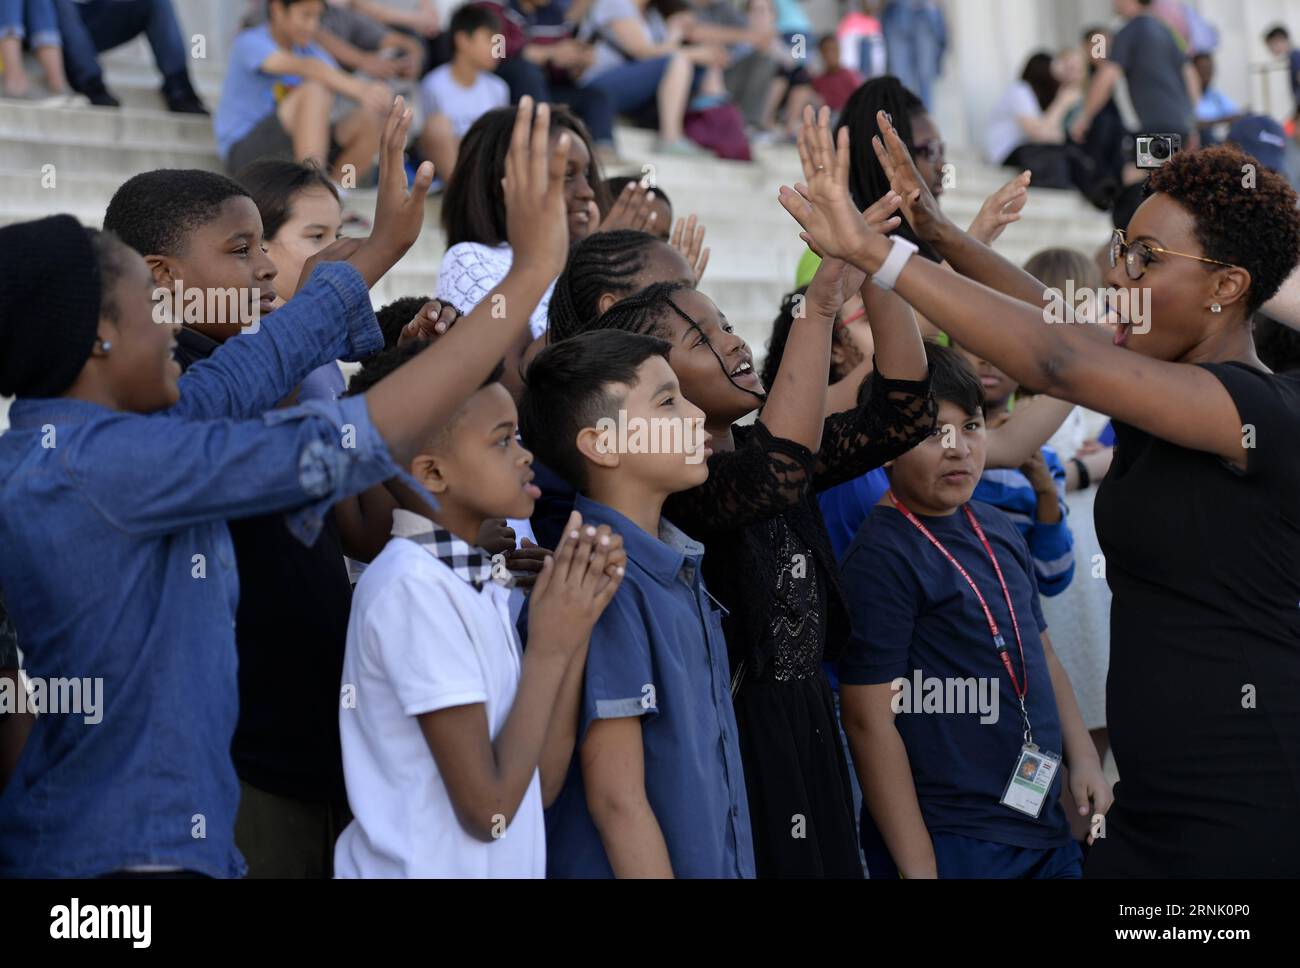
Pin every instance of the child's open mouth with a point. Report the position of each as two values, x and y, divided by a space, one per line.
745 375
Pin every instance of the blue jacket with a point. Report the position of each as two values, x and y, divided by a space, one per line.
118 567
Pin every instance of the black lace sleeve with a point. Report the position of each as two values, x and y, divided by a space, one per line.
897 416
761 478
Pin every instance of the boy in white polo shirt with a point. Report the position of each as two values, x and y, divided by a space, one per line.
453 741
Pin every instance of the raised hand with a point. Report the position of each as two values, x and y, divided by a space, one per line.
920 207
537 224
399 212
1001 209
633 209
832 225
688 239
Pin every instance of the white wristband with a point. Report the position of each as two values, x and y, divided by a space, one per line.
887 275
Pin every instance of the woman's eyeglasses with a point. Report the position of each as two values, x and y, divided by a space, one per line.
931 150
1137 255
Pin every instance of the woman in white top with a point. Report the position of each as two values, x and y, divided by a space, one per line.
1026 128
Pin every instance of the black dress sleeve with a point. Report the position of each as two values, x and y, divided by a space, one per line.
763 477
897 416
1269 407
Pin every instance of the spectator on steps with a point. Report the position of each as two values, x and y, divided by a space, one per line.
278 99
35 21
836 83
752 68
360 43
1026 128
916 37
545 58
91 27
639 73
457 94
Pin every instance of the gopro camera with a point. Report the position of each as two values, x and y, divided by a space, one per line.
1154 150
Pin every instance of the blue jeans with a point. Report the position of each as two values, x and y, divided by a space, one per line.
632 85
589 103
33 19
915 38
91 28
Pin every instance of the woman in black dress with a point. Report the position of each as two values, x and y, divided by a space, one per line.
1199 516
768 558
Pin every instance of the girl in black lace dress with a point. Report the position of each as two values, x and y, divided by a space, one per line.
768 558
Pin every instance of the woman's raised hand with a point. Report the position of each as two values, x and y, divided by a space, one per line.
920 207
832 225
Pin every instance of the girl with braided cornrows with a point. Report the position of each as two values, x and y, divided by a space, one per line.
602 269
605 268
770 563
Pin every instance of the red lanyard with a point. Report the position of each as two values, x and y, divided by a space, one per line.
1021 691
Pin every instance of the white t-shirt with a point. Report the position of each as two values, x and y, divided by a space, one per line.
441 93
1004 133
471 270
421 639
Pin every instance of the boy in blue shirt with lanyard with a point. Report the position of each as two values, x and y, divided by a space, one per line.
956 708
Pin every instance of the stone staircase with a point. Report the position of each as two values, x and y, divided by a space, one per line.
72 160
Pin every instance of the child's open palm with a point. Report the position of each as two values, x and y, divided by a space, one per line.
537 224
399 213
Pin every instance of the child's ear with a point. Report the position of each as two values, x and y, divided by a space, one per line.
164 272
606 300
428 470
597 447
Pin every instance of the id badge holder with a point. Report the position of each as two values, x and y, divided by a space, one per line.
1031 780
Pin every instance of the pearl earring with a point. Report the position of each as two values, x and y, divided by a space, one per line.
1215 308
105 345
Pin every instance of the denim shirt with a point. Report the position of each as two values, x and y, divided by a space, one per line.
118 566
657 652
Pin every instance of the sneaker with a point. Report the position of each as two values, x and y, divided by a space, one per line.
68 100
185 102
100 96
682 146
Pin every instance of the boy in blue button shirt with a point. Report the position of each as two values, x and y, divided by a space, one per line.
932 713
656 788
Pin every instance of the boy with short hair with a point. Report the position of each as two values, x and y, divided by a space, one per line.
942 591
452 742
456 94
278 99
657 788
206 240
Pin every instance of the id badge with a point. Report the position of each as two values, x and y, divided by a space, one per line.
1031 780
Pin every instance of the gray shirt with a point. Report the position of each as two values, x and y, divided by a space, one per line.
1153 66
